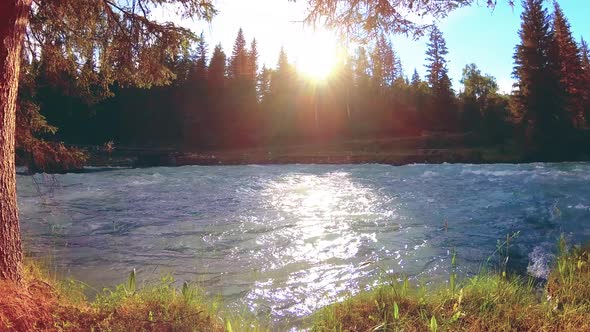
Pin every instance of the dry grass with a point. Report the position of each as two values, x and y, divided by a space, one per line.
42 304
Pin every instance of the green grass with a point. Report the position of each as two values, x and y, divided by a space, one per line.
487 302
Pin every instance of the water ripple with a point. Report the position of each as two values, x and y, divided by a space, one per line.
286 240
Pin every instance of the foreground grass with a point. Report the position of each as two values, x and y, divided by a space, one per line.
41 303
487 302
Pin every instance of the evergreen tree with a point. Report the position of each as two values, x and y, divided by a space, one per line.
251 86
242 93
217 68
536 98
264 83
585 55
435 55
361 70
442 111
377 74
416 78
238 68
201 63
281 99
569 67
385 64
398 69
253 60
249 118
419 99
216 79
282 76
362 91
389 60
585 64
195 114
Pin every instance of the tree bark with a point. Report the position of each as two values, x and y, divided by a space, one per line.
14 17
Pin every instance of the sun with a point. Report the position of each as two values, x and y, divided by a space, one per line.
317 54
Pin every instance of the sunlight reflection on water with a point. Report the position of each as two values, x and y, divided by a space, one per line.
321 241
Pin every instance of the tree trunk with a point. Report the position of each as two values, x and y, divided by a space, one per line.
14 17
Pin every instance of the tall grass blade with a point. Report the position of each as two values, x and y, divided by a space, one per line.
433 324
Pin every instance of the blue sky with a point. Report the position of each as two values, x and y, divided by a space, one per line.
474 34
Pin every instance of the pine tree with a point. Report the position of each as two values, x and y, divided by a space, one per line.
239 60
442 112
419 99
362 97
252 76
217 68
377 74
385 64
537 96
361 70
195 97
416 78
398 68
585 64
435 55
283 63
253 60
282 76
264 83
281 98
569 66
201 63
585 55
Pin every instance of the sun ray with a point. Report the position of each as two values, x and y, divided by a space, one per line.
317 55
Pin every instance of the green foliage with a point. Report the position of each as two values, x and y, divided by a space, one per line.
81 49
478 86
569 68
32 127
362 19
547 67
110 41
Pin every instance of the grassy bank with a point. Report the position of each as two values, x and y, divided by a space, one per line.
42 303
487 302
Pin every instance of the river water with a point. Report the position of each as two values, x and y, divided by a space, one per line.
284 240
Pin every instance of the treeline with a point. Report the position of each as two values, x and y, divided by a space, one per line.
228 101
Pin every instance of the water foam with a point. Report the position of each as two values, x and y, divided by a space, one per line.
539 260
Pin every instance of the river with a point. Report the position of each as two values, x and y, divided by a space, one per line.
284 240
